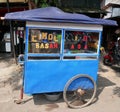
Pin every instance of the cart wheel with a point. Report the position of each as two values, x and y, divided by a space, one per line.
79 91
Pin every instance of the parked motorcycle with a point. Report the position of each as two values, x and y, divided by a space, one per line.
113 56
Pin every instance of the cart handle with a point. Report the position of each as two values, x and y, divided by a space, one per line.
21 59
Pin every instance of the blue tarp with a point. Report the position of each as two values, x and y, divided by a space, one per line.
54 14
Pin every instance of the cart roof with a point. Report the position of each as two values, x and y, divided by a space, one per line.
54 14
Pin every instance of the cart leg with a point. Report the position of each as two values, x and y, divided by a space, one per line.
21 93
19 101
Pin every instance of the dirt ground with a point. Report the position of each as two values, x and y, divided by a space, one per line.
107 98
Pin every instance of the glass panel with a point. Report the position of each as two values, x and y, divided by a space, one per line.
81 42
44 41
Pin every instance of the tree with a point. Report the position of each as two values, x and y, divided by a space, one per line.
42 3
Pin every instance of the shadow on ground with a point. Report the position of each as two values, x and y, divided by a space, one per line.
40 99
7 59
104 82
101 84
117 70
116 91
15 74
14 81
102 69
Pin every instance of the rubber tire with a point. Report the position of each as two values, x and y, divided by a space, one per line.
70 81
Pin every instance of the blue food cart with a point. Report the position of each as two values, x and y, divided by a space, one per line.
61 53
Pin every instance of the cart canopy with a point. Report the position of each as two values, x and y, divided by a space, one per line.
54 14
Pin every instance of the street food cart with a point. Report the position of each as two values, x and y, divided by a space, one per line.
61 53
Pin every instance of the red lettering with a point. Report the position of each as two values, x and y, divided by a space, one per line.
72 46
51 46
55 45
85 38
79 46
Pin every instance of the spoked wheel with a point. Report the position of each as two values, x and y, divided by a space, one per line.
79 91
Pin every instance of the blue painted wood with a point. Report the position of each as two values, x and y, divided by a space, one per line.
41 76
51 76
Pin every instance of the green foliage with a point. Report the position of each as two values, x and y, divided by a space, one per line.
45 3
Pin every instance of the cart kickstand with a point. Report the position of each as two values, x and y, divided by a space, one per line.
19 101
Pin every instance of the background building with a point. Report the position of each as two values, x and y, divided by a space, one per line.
5 37
112 7
109 9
